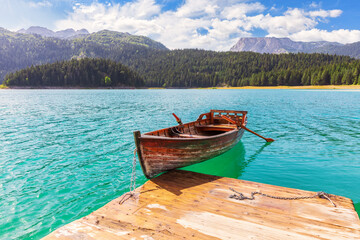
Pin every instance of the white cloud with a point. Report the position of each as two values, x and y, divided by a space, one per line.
241 10
176 29
324 14
16 14
131 17
293 20
141 9
342 35
208 24
273 8
39 4
198 8
314 5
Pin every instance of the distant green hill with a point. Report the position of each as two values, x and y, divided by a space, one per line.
112 39
160 67
200 68
85 72
18 50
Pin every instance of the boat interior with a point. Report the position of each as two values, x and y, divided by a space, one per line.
208 124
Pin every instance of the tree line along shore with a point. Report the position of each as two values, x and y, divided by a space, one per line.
88 73
191 68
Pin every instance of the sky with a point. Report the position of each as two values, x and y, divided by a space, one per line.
204 24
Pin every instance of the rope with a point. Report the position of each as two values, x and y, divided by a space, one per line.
133 174
240 196
132 187
175 133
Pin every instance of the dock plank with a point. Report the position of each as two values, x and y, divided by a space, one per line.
187 205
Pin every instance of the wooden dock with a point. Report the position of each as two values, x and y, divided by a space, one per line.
187 205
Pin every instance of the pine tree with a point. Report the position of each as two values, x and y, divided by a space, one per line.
325 78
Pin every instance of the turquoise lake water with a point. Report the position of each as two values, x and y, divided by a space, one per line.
66 153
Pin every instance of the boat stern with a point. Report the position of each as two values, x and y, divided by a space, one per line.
137 136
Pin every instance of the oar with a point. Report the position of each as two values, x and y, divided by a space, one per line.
267 139
178 119
242 126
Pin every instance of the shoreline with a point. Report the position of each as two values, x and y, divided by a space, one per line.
59 88
312 87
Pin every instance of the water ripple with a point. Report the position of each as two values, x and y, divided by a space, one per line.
65 153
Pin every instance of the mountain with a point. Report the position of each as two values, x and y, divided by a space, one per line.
286 45
71 33
21 50
115 39
63 34
159 67
38 30
351 49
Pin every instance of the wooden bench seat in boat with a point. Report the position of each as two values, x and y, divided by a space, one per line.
212 127
204 128
182 135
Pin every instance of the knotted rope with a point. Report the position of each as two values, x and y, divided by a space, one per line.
132 187
133 174
240 196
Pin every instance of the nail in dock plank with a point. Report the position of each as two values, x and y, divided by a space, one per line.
187 205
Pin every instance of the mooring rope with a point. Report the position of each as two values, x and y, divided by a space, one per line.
240 196
132 187
133 174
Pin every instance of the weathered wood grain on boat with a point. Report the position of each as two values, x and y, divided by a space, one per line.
179 146
187 205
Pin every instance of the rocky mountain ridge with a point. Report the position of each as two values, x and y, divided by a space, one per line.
286 45
63 34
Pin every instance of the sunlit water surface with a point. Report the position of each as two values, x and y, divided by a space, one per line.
66 153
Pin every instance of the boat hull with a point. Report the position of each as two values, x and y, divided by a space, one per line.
159 154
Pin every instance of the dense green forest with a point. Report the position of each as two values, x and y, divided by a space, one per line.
76 73
194 68
160 67
199 68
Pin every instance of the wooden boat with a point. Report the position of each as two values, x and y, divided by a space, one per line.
212 134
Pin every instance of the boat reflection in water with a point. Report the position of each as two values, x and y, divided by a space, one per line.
231 164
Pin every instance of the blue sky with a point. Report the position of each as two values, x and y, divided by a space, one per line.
206 24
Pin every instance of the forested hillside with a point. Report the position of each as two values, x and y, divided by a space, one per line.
76 73
199 68
160 67
18 51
